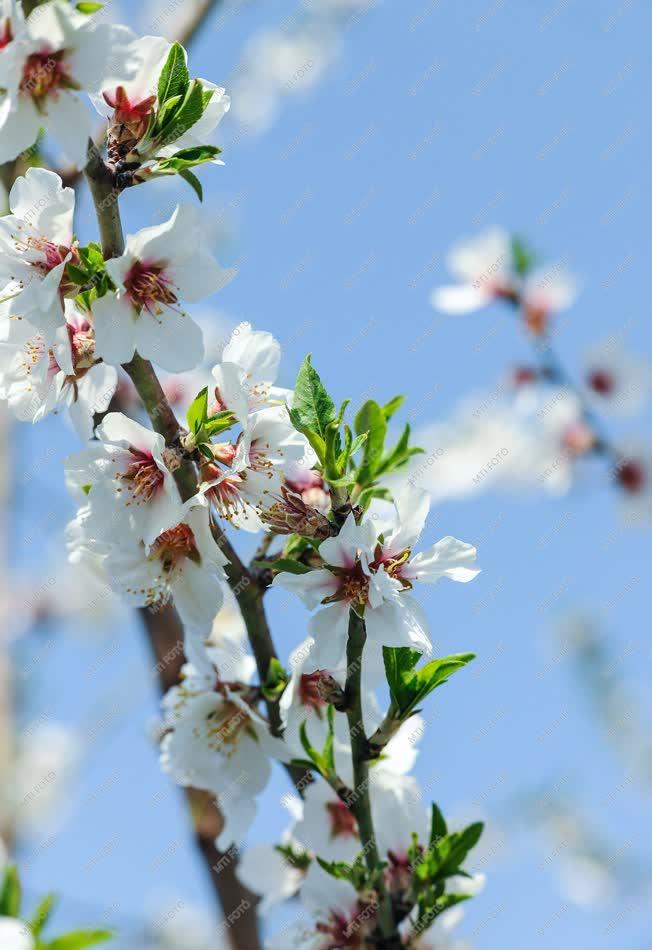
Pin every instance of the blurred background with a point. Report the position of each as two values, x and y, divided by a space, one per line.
364 139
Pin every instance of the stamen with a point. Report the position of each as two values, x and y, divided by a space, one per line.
148 287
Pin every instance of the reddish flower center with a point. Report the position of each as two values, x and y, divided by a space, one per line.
602 382
310 691
343 932
176 545
632 476
6 34
536 317
353 586
148 287
225 494
82 344
44 74
134 115
343 824
145 480
523 375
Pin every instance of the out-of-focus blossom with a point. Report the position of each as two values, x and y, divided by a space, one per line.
618 381
633 476
483 267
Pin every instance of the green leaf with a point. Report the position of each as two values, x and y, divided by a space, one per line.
198 411
376 491
42 914
186 114
10 893
453 849
313 409
92 258
438 828
370 419
323 761
189 157
390 407
218 423
276 680
205 450
77 275
175 78
79 940
87 7
409 686
193 181
522 258
288 565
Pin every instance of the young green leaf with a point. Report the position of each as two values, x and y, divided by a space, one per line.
438 828
313 409
276 680
85 6
370 419
175 78
522 258
10 893
41 915
193 181
409 686
288 565
79 940
390 407
198 411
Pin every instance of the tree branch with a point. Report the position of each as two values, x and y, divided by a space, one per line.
361 801
165 635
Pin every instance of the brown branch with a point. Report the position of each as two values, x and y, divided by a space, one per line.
165 635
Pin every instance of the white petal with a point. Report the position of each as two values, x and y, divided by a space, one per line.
114 320
447 558
172 340
256 351
311 587
330 629
230 380
400 622
70 124
19 129
461 298
39 198
15 935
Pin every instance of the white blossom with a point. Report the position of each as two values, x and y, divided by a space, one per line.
36 243
128 483
53 55
160 265
375 578
15 935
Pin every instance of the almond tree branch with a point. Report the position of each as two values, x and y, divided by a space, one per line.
361 801
165 635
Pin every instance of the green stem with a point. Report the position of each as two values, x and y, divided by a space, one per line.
361 802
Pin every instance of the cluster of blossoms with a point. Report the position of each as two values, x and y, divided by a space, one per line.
156 506
537 424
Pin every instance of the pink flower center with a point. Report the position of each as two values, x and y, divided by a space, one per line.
148 287
342 932
225 494
523 375
175 546
343 824
145 480
44 74
134 115
6 35
82 344
310 691
632 476
602 382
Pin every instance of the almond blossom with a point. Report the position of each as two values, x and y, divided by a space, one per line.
126 476
618 381
483 266
36 243
246 477
160 265
341 917
373 575
633 475
37 379
129 105
245 375
45 62
217 740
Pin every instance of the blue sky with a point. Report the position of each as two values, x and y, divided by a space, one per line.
435 121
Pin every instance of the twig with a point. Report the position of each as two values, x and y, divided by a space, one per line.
361 803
